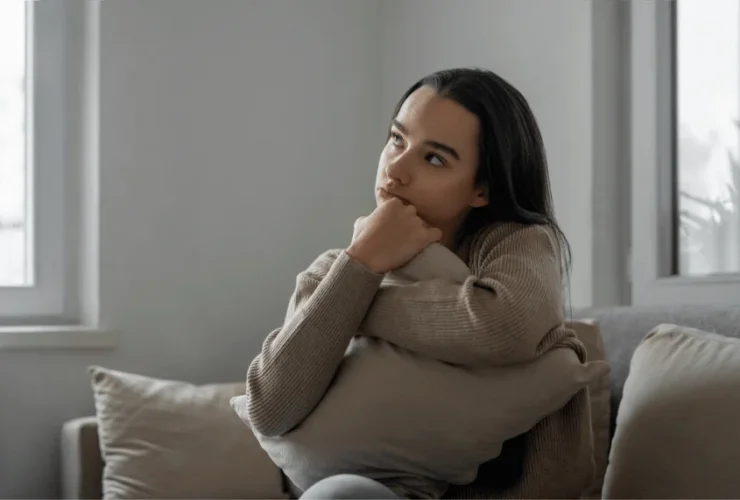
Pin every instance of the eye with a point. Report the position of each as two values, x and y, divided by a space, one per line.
435 160
396 139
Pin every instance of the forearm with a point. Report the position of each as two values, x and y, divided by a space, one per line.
465 324
501 314
289 377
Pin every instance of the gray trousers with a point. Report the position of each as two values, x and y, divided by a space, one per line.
348 486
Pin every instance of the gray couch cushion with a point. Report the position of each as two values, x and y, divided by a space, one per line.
677 430
624 327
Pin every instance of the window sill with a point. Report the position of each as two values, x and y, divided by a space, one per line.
55 337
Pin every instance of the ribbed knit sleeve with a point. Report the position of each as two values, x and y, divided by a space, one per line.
289 377
500 315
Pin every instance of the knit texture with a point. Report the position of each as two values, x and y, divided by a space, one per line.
509 310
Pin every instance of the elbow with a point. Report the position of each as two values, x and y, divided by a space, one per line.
517 341
519 349
524 348
532 335
261 411
264 425
533 316
244 410
260 407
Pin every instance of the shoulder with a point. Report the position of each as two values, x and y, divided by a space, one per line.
512 240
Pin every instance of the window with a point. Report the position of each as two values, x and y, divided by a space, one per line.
685 151
15 247
707 161
46 134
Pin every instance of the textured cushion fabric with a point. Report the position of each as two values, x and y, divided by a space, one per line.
396 414
170 439
589 333
622 329
677 432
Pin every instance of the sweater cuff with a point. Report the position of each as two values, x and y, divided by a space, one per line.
347 260
345 295
353 277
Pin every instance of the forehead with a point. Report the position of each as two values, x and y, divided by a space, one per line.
432 117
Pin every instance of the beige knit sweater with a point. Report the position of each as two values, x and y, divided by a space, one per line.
509 310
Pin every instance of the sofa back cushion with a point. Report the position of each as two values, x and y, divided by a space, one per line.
677 432
622 329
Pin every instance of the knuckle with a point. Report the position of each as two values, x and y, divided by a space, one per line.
394 204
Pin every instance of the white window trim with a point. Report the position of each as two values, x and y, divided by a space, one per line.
61 309
652 185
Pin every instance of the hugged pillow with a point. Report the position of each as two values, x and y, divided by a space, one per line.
435 261
391 413
678 432
170 439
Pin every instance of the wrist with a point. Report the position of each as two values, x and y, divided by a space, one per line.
359 256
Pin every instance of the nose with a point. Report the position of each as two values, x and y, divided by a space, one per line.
399 169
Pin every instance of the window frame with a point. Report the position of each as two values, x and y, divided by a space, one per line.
653 190
57 35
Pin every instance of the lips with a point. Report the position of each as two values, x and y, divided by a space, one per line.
384 193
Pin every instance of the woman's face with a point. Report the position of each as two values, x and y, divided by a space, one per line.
430 161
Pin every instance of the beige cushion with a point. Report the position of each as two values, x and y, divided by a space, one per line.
170 439
393 414
678 426
599 392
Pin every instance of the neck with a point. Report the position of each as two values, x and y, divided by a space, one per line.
450 234
451 239
452 242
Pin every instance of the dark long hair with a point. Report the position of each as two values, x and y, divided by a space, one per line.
512 164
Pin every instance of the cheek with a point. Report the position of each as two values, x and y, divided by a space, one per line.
447 198
454 190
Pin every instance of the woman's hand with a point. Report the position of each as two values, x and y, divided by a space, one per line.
390 236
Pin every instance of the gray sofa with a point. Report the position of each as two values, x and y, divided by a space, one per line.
622 329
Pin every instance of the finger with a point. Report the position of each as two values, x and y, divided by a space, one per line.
423 223
434 234
410 209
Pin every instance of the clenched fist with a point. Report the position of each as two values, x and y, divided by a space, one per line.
390 236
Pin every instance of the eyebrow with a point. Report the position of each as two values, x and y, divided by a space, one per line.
435 144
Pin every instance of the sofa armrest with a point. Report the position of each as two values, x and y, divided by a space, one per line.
81 463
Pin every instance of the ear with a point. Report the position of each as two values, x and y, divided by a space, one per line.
480 197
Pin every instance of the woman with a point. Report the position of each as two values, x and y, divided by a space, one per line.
464 165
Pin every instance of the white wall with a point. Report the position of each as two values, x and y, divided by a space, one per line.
544 49
239 139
